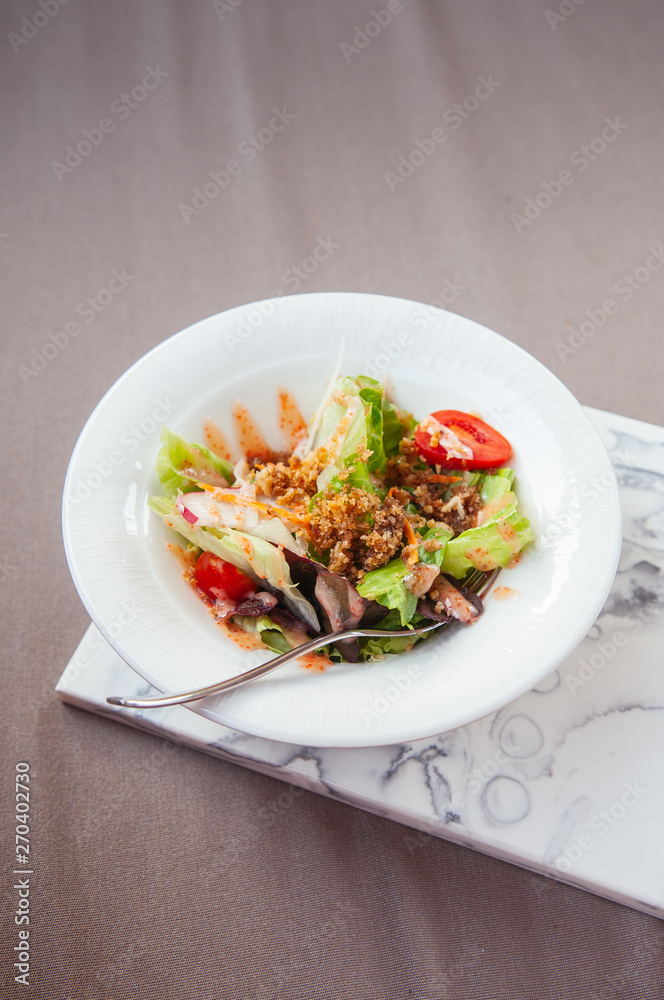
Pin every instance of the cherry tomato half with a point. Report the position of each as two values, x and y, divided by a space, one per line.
214 573
489 448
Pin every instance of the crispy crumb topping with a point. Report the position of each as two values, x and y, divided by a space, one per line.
293 481
355 528
410 479
360 531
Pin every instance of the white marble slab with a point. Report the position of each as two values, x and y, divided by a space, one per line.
566 781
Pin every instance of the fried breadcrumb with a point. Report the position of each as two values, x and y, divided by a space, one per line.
411 481
360 532
292 482
355 528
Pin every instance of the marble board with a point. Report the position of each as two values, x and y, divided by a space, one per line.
566 781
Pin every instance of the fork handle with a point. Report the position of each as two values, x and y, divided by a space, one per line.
163 701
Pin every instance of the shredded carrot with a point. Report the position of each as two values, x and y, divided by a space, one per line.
265 508
443 479
411 555
411 549
410 534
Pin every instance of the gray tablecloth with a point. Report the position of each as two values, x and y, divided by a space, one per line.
164 161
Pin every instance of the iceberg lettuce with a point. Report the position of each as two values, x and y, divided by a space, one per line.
386 585
180 463
374 648
270 633
259 559
356 416
489 546
501 533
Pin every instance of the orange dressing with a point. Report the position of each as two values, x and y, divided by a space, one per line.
314 661
265 508
252 443
509 535
504 593
241 638
187 560
479 557
493 508
291 421
216 441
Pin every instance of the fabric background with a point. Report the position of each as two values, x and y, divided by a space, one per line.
155 874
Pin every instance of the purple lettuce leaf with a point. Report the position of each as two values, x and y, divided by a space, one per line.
337 602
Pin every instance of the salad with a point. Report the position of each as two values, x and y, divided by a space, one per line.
371 520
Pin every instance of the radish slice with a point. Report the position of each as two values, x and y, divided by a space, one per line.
205 510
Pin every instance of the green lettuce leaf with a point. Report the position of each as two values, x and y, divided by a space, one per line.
492 485
161 505
259 559
376 425
491 545
440 533
270 634
180 464
371 393
393 429
504 532
387 584
375 649
353 438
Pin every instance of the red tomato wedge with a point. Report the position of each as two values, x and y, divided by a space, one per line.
489 448
215 574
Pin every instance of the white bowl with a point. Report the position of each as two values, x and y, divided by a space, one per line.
132 586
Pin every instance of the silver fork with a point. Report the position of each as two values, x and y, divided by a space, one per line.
478 582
